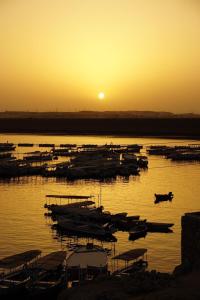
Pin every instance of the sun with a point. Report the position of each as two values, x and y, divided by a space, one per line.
101 96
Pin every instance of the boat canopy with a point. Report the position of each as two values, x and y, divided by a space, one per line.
19 259
85 256
51 261
69 196
80 204
131 255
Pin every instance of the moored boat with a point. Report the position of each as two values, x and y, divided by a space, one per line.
136 256
138 232
85 228
159 227
48 275
89 260
164 197
17 275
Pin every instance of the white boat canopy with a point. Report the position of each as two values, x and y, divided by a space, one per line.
85 256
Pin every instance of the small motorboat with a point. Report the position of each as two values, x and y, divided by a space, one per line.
159 227
163 197
138 232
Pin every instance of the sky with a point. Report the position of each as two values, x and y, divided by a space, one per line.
58 55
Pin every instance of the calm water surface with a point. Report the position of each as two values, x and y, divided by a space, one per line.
23 225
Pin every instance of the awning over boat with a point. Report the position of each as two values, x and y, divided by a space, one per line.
51 261
69 196
19 259
80 204
131 255
85 256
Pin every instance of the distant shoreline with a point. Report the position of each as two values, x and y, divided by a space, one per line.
192 138
178 128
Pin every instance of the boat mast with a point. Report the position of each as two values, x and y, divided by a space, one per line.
100 196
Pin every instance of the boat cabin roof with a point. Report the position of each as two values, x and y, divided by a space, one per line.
69 196
51 261
19 259
131 254
84 256
80 204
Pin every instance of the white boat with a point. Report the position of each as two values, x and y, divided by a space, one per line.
87 260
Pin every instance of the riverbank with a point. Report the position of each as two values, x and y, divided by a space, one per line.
185 287
149 127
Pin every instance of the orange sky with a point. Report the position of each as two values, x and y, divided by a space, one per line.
59 54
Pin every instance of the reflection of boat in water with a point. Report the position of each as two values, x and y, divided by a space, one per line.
86 261
164 197
48 275
138 232
16 276
139 264
159 227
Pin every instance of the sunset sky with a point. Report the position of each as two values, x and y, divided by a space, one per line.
61 54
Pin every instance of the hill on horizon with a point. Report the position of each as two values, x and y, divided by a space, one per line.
96 114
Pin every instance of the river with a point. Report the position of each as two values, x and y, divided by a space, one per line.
23 225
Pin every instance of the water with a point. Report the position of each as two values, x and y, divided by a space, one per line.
23 225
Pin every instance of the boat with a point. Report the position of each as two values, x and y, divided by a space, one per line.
164 197
85 228
16 273
5 156
127 224
63 207
25 145
138 232
131 218
68 145
48 275
136 256
6 147
86 261
38 156
159 227
61 152
47 145
130 157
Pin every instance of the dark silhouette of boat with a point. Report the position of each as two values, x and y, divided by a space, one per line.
159 227
136 256
6 147
13 281
85 228
164 197
48 276
138 232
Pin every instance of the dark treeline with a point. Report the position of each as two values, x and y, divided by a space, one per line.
165 127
